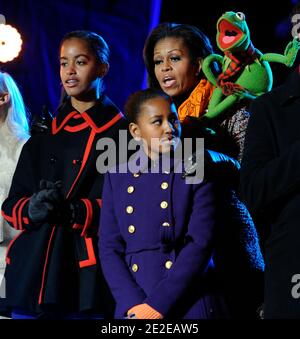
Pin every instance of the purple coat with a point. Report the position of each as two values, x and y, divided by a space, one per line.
156 244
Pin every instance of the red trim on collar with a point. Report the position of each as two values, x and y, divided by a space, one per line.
104 127
76 128
56 129
88 122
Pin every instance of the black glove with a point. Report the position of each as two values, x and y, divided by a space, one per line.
43 204
64 211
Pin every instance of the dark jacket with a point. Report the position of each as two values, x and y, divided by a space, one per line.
57 265
270 186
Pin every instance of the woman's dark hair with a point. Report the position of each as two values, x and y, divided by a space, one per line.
136 100
95 42
196 41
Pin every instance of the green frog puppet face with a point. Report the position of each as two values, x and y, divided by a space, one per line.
233 32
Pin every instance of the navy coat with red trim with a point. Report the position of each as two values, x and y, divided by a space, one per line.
58 264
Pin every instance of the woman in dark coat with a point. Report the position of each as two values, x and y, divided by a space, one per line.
55 197
173 56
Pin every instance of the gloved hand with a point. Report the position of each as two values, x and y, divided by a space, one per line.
43 205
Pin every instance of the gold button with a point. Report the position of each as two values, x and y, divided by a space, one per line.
134 267
130 189
166 224
163 204
168 264
129 209
136 175
131 229
166 172
164 185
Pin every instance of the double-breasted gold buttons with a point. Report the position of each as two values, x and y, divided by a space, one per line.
134 268
168 264
129 209
130 189
163 204
164 185
131 229
136 175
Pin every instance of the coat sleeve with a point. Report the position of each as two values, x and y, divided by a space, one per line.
267 176
112 256
87 216
194 257
15 206
237 125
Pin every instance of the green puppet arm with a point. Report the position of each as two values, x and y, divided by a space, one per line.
289 56
207 69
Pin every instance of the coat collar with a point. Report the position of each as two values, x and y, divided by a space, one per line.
100 117
291 88
141 163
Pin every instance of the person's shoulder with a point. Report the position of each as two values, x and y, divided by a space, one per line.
278 95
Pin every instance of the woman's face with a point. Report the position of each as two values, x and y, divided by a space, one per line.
79 69
173 68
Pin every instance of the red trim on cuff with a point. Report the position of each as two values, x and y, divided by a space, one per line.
20 219
91 254
7 217
89 215
14 212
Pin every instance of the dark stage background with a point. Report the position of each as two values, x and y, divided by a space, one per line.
124 24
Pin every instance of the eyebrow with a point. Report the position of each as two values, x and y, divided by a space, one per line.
156 116
76 56
172 50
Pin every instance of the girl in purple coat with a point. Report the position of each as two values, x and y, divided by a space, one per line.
157 231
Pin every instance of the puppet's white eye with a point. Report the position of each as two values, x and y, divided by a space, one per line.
240 15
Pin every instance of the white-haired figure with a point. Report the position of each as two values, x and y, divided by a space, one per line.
14 132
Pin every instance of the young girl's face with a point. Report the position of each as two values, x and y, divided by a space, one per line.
79 69
158 126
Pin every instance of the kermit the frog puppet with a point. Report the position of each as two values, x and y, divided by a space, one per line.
246 72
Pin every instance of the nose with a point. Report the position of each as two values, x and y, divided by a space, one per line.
169 128
70 69
166 66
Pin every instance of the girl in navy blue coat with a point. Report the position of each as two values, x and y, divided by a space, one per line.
157 231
